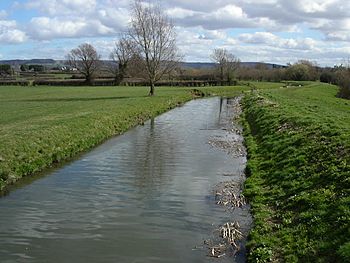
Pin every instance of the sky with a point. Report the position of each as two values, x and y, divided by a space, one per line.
274 31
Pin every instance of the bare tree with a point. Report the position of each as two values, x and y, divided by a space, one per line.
155 39
219 57
232 64
122 54
86 60
227 64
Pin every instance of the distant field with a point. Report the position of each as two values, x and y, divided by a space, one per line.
44 125
299 164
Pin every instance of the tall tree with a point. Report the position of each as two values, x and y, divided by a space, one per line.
86 60
227 64
122 54
155 40
232 64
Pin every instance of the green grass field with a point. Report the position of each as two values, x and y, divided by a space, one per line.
40 126
299 174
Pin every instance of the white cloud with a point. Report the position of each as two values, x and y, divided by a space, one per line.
45 28
258 38
62 7
180 13
228 16
10 34
272 40
13 36
117 18
329 17
76 18
229 12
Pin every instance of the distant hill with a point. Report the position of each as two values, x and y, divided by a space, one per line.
208 65
197 65
263 64
194 65
28 62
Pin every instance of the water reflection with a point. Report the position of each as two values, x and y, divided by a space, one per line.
144 196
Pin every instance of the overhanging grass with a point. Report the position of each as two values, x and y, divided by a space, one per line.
299 174
40 126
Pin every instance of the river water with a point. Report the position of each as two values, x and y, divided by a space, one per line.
144 196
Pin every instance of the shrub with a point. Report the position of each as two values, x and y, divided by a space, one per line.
36 68
298 72
327 77
343 80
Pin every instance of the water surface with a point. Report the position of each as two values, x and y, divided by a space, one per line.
144 196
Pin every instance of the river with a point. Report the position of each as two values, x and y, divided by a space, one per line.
144 196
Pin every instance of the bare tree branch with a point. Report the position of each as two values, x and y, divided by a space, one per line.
86 60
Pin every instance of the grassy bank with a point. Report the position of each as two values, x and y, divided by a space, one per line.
299 174
40 126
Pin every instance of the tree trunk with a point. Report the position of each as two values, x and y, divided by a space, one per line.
222 75
117 80
229 80
151 91
88 80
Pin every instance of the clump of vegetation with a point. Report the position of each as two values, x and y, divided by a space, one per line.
343 79
230 235
298 143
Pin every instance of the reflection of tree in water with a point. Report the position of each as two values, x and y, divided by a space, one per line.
225 111
153 151
221 102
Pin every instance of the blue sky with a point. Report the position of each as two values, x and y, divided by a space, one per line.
277 31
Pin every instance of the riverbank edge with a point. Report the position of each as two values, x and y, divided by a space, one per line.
285 223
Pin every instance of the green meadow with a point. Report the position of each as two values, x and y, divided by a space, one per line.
298 184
